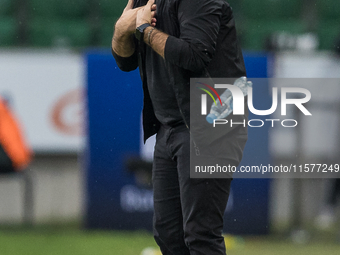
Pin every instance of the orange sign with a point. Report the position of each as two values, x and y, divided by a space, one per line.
68 113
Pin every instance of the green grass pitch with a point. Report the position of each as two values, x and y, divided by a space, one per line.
71 241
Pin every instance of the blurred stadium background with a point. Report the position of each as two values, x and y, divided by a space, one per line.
57 74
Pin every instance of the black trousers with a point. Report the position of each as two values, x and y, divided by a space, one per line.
188 217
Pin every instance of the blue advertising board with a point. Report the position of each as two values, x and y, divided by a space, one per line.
113 200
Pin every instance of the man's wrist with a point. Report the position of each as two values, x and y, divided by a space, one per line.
140 31
148 34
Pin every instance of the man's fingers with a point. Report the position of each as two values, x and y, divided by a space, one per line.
153 14
150 3
129 5
153 22
153 7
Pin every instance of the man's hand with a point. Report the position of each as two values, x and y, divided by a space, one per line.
153 37
126 24
147 14
122 41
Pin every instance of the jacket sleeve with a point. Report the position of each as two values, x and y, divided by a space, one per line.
199 22
126 64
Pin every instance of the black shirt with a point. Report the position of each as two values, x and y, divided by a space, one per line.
202 43
161 91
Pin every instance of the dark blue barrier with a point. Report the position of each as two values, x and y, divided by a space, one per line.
114 107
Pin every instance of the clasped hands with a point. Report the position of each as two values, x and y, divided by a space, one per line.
132 18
